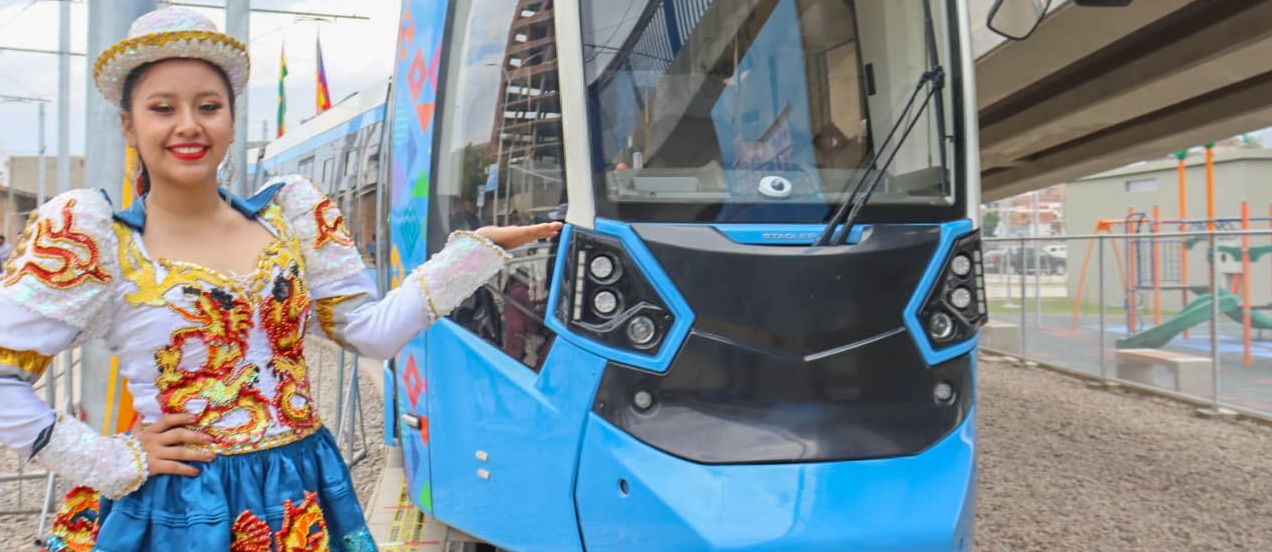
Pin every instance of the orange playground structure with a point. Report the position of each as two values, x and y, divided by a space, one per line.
1155 264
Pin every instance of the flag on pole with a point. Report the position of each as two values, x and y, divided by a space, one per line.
282 93
324 94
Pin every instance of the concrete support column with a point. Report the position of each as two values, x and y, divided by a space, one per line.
237 25
108 22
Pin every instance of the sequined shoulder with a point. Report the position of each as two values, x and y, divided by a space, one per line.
316 221
64 265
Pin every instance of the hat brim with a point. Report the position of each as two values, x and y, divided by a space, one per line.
114 65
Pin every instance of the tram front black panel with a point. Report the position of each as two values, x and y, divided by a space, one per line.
722 402
797 354
797 299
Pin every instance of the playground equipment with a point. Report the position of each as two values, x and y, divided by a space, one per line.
1158 265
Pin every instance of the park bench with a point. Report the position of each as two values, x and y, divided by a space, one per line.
1193 374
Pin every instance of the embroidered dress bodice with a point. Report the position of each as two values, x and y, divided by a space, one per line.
227 348
188 338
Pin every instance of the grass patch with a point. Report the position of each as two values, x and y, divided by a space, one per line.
1062 305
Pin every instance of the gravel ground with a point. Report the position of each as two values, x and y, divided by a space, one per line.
1066 467
1063 468
18 532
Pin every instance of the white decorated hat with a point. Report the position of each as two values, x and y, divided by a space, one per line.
165 34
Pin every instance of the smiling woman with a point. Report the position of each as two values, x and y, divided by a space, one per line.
186 109
206 300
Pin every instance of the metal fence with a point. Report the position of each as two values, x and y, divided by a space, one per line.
1183 314
28 488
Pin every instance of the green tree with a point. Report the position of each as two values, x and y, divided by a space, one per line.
477 161
989 222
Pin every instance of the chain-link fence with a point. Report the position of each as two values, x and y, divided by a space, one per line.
1186 314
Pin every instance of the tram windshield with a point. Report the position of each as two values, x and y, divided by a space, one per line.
772 110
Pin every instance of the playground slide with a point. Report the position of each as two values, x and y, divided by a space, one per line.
1195 313
1258 320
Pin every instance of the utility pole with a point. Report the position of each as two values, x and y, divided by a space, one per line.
237 25
39 157
108 23
63 102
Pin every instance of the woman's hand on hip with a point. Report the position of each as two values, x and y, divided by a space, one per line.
165 445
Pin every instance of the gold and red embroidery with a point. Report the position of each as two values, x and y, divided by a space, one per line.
330 224
283 314
251 534
304 529
226 383
137 269
76 526
223 313
325 310
77 255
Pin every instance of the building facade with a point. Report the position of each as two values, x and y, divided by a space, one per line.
526 132
19 193
1165 270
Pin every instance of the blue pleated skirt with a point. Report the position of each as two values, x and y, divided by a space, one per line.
289 498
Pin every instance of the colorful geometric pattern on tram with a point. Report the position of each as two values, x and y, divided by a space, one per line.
414 99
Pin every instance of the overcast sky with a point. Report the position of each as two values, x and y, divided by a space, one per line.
356 53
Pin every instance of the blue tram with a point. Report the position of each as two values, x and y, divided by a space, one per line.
757 330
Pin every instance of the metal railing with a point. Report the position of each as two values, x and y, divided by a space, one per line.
1182 314
56 387
351 427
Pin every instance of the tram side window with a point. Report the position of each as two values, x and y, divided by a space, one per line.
501 162
327 170
306 167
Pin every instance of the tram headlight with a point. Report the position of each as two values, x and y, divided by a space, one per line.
955 307
641 331
601 267
943 393
940 326
605 296
643 400
605 302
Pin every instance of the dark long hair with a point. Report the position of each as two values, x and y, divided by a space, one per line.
126 100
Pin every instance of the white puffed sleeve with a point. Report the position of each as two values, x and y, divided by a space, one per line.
348 309
56 293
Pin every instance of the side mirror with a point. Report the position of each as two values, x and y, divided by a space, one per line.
1017 19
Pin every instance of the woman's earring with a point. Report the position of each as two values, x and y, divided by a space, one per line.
139 186
138 170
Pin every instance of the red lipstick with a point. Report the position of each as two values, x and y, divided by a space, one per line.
191 152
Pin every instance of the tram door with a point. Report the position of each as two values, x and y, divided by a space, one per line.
506 399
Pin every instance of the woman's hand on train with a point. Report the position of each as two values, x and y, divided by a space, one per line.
512 237
164 443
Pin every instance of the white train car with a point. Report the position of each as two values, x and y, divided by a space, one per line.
340 150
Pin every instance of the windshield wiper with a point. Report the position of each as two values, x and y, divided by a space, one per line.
848 212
